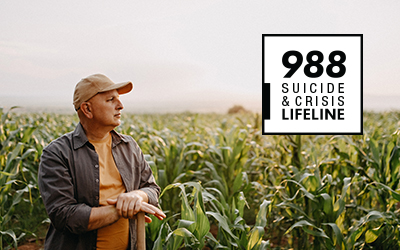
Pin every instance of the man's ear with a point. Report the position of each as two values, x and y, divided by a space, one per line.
86 108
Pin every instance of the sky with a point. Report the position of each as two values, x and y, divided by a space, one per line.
199 56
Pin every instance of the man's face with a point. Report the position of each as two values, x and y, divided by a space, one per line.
106 109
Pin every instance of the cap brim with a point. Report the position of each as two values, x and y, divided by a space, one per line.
122 88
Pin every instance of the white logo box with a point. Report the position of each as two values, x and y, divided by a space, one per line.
301 104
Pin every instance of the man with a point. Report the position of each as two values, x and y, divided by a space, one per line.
93 181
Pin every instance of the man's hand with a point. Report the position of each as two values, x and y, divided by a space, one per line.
129 204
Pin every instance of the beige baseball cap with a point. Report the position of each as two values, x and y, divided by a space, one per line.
97 83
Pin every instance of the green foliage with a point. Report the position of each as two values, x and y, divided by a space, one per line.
22 139
226 186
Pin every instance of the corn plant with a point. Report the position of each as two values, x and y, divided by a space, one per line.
192 229
248 190
14 150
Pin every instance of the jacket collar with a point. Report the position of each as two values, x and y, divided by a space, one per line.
117 138
79 137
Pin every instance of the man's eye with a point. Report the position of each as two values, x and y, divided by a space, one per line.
111 99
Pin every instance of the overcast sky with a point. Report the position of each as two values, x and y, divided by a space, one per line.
181 55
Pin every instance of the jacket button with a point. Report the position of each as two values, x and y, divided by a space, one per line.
97 180
97 197
96 166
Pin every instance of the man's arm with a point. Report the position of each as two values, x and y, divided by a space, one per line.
129 204
57 191
102 216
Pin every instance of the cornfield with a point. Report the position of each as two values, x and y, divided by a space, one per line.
226 186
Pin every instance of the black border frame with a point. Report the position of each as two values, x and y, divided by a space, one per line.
266 88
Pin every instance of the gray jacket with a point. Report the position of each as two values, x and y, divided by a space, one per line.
69 185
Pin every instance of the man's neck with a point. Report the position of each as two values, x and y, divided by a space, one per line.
95 133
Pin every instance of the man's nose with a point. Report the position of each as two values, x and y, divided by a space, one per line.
120 105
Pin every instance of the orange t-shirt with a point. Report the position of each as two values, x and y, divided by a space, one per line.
116 235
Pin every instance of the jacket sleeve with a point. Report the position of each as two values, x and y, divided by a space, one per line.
147 181
57 191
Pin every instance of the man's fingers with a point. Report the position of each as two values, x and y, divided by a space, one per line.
130 211
147 219
138 206
159 216
158 212
126 207
134 208
118 206
148 208
112 201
